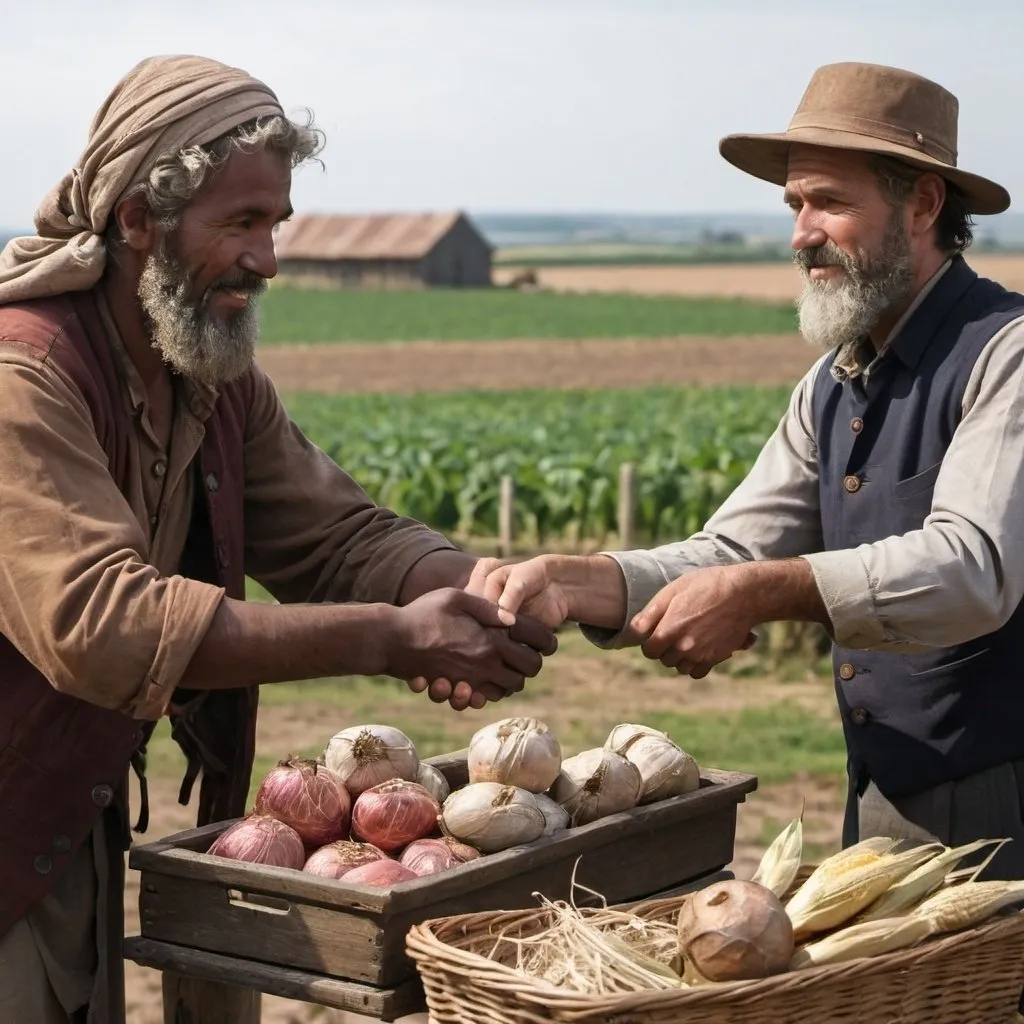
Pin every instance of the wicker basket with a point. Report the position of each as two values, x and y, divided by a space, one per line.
971 977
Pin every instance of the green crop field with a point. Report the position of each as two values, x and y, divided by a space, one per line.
440 458
297 315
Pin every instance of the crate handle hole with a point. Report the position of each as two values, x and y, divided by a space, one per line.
256 901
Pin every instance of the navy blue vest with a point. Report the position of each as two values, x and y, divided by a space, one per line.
913 721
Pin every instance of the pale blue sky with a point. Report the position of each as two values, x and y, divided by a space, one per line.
521 105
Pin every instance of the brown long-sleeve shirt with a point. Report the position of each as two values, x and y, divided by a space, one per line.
89 585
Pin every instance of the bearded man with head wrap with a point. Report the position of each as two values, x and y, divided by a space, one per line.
888 505
148 467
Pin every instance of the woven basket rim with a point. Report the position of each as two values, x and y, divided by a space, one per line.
425 945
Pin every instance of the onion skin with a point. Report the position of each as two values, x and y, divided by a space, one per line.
735 931
334 859
260 839
364 756
379 873
428 857
309 798
394 814
462 852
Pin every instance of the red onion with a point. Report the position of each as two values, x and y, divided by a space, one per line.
428 857
305 795
261 839
381 873
394 814
334 859
461 851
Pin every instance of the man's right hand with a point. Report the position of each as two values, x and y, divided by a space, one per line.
453 634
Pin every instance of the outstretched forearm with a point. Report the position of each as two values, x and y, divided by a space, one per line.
251 643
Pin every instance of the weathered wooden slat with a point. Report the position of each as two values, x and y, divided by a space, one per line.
384 1004
198 1001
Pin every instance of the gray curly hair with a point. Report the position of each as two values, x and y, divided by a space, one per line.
177 177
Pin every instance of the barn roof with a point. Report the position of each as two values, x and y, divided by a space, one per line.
392 236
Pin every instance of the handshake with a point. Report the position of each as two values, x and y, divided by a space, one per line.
468 647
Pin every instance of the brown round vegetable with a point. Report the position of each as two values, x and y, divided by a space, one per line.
735 930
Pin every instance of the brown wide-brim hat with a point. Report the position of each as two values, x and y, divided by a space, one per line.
872 109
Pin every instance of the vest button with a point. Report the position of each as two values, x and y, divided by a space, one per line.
43 864
847 671
856 424
102 795
859 716
212 483
62 844
851 483
159 468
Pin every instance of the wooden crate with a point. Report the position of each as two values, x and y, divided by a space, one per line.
284 917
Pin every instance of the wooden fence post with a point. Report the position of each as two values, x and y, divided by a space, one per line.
506 517
627 505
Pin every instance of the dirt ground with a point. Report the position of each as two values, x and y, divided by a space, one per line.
772 281
597 683
405 367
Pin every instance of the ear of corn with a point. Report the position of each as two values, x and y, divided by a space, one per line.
843 885
781 861
922 881
965 905
870 938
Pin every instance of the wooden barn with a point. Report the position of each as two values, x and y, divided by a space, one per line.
398 250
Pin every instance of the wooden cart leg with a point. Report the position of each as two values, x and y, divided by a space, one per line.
194 1001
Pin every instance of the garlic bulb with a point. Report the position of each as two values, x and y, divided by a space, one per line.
364 756
433 781
665 768
596 783
520 752
556 817
492 817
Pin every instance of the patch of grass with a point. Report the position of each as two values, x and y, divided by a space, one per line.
776 743
299 315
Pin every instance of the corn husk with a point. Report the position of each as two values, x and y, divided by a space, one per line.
966 905
782 860
846 883
925 880
952 908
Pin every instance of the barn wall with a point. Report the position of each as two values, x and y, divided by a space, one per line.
353 273
460 259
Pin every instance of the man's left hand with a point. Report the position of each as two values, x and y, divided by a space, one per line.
697 621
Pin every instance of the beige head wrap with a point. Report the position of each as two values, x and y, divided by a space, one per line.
162 105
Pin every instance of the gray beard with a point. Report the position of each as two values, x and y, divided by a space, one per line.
840 313
191 342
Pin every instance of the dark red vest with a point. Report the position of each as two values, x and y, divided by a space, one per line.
63 760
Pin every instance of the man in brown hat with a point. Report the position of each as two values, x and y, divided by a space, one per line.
148 467
888 505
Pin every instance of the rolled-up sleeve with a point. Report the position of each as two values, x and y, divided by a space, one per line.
312 533
774 513
962 574
77 597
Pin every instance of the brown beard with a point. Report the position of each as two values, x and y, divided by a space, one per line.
836 314
189 340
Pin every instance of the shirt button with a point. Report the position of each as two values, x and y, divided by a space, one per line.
856 424
159 468
859 716
102 795
43 864
851 483
847 671
62 844
212 483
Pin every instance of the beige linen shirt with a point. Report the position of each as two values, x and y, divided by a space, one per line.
961 575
